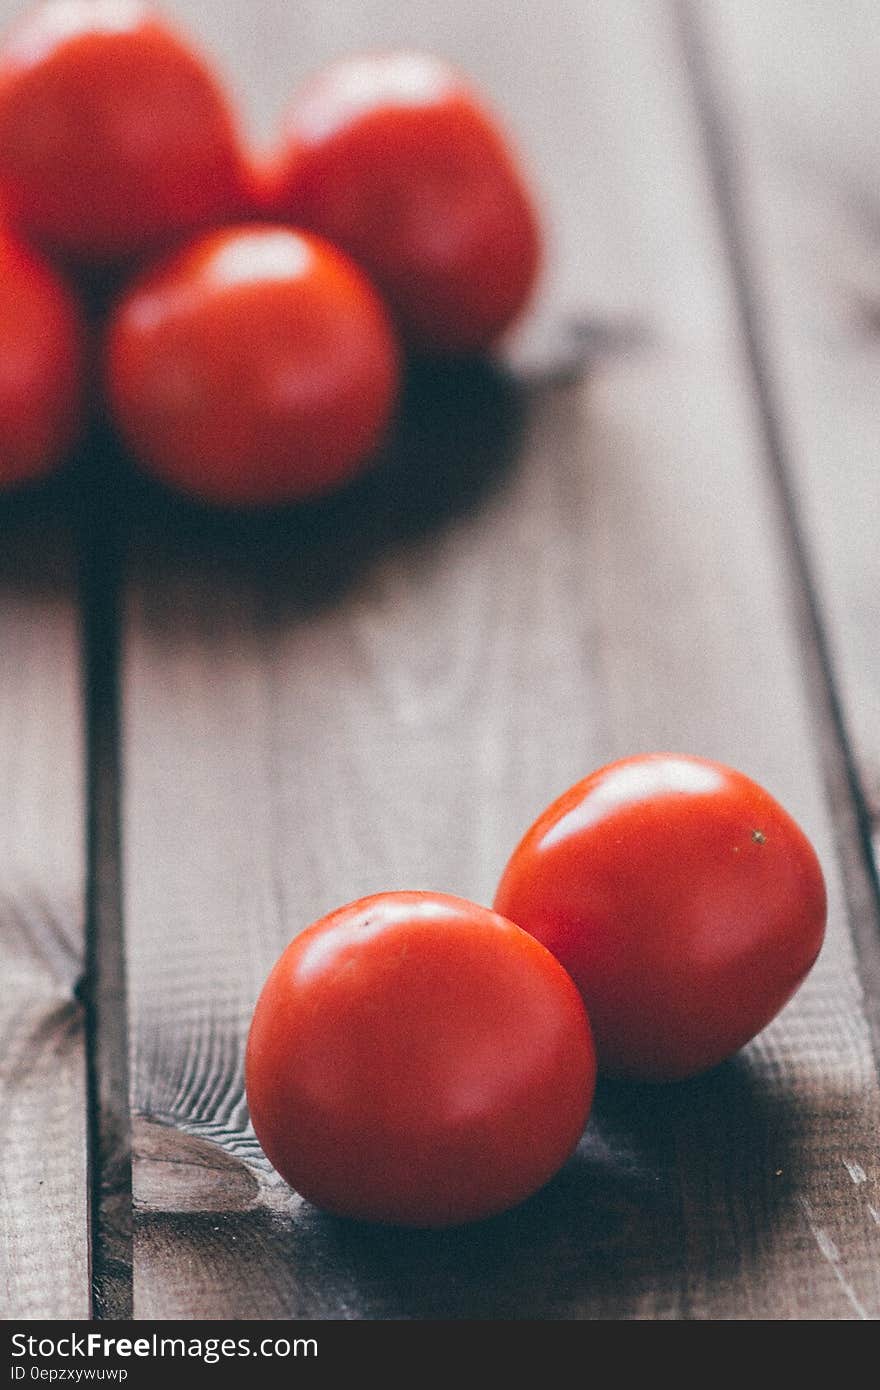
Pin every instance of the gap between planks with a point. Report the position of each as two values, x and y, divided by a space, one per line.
102 555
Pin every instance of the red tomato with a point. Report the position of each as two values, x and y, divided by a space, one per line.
41 365
418 1060
686 903
114 136
392 157
256 366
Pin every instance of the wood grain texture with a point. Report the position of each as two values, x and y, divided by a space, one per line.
382 693
44 1247
44 1244
804 108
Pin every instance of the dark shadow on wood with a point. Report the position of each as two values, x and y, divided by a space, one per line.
610 1226
36 526
455 440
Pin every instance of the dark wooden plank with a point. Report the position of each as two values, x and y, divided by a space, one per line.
808 147
44 1248
307 721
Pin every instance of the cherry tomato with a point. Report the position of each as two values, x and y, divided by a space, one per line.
41 365
256 366
392 157
114 136
418 1060
685 902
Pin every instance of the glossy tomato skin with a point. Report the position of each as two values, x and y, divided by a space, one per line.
254 367
417 1060
392 157
685 902
115 137
42 339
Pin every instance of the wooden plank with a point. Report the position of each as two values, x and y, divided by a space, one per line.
44 1248
808 144
62 1076
44 1259
308 720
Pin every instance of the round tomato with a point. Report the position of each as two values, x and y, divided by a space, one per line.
392 157
685 902
418 1060
256 366
41 365
114 136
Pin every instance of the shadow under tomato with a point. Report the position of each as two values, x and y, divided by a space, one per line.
455 441
38 529
675 1194
669 1183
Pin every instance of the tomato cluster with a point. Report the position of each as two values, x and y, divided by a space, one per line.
252 355
417 1059
413 1057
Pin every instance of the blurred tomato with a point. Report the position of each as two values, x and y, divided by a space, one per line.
685 902
254 367
41 364
416 1059
115 137
394 158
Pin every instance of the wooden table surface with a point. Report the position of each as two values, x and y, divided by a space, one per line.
657 527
